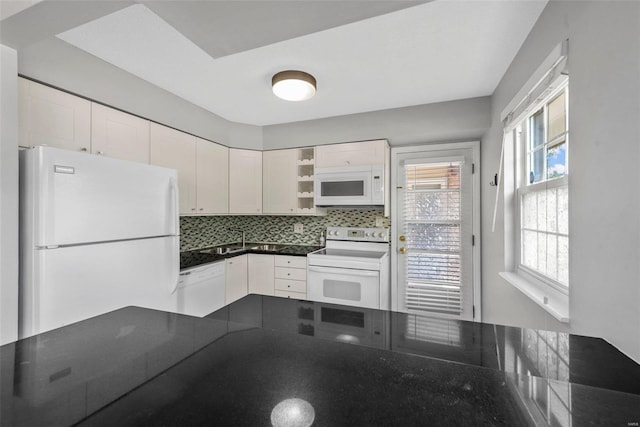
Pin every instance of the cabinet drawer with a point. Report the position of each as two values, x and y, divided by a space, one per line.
291 261
294 295
291 285
291 273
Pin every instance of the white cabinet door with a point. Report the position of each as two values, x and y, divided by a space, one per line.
176 150
120 135
279 186
236 278
212 177
51 117
261 274
245 181
351 154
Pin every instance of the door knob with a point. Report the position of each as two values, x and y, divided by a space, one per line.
403 250
402 238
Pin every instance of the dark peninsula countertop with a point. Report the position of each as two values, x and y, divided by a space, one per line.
272 361
197 257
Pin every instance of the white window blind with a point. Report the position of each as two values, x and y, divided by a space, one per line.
433 330
432 228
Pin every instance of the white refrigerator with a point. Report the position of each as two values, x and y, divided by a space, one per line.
96 234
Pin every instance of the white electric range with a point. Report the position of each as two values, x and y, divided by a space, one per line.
353 268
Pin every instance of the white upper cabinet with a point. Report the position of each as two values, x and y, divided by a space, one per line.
176 150
212 177
245 181
120 135
352 154
279 181
51 117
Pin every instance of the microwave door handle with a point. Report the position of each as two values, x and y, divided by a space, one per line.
350 272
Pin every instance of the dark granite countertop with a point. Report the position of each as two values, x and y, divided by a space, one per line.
196 257
335 365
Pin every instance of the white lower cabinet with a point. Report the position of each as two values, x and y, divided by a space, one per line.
277 275
236 282
261 279
290 276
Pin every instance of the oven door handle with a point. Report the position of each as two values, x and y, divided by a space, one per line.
344 271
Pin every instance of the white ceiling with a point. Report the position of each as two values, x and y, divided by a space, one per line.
403 55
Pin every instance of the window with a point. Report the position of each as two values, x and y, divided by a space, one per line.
535 156
542 193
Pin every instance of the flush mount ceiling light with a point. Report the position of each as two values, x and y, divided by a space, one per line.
293 85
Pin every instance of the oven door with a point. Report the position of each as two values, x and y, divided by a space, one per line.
343 186
353 325
360 288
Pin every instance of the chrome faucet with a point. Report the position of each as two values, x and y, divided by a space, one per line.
241 231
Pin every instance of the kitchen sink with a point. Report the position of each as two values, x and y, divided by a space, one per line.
225 249
229 249
266 246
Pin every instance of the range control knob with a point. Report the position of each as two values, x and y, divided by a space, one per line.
366 235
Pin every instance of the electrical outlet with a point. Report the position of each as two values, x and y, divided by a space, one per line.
379 221
297 227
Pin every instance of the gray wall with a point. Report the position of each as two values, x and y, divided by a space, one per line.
604 113
446 121
78 72
9 199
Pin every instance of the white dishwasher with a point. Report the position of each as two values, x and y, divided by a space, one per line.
201 289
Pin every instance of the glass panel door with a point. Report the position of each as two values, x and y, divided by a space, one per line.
434 241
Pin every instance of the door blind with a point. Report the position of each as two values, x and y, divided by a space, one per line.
432 229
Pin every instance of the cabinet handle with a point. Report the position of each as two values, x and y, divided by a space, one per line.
201 209
193 209
83 149
100 153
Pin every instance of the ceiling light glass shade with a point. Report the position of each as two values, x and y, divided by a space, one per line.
293 85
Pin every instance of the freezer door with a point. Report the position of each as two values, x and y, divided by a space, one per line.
75 198
66 285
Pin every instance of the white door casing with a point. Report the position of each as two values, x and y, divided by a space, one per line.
438 215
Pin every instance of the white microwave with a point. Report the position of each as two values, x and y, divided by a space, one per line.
349 186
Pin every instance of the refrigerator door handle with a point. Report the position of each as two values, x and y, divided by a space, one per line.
175 271
175 210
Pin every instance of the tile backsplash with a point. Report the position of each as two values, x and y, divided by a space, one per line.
203 231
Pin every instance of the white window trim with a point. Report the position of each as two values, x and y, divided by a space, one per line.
550 296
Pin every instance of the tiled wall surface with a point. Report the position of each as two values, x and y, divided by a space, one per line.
204 231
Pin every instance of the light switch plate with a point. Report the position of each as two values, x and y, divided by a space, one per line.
298 228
